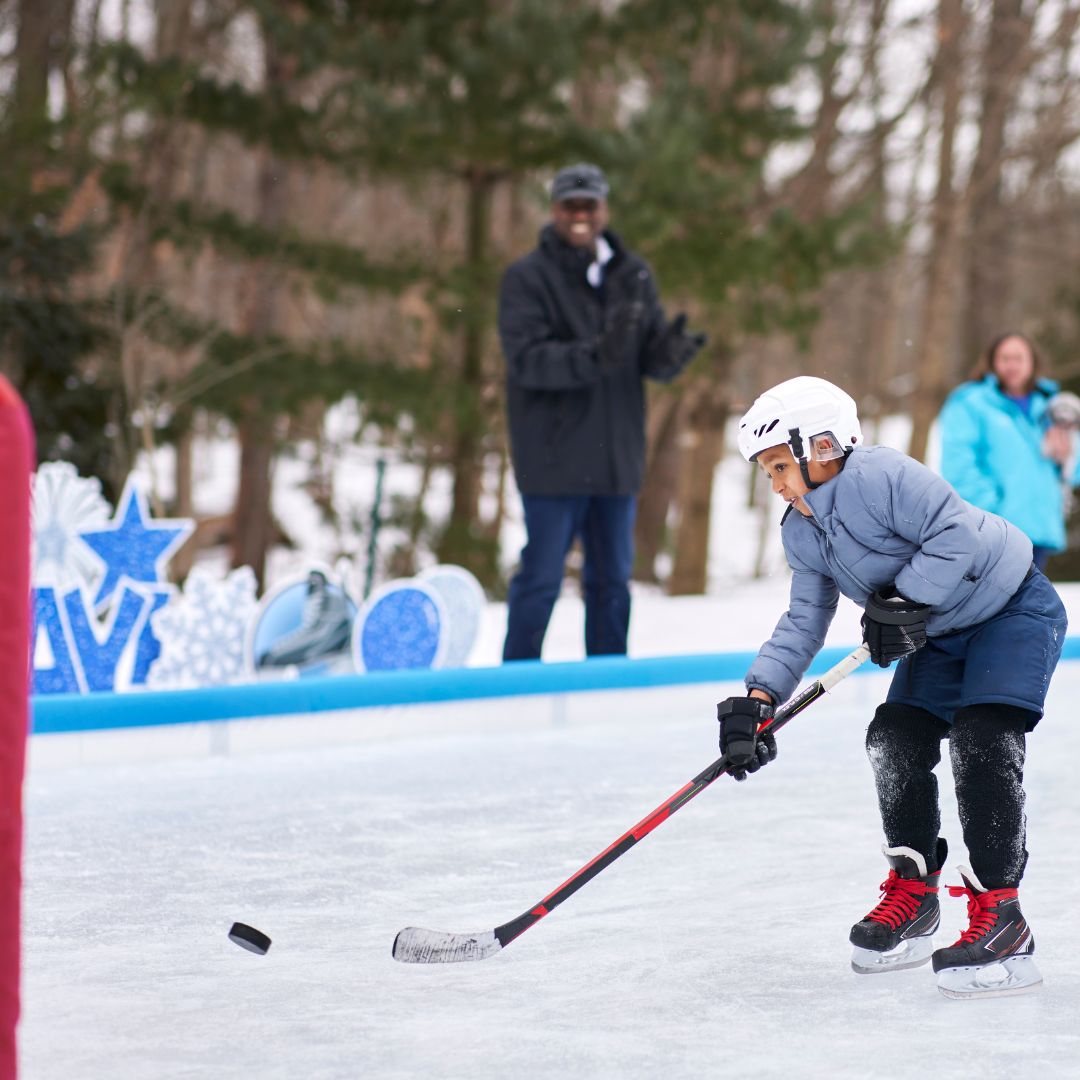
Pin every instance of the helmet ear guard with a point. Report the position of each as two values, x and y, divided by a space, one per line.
825 447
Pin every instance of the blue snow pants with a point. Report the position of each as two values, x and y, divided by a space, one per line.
1007 659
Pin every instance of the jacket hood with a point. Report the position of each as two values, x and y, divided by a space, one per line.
1046 387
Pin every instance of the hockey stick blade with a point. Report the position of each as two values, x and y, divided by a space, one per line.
414 945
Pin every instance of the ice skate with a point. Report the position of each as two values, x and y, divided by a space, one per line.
994 956
899 932
324 628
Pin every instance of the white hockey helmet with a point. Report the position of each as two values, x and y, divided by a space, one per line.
794 413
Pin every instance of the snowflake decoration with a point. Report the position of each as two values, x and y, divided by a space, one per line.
202 631
65 504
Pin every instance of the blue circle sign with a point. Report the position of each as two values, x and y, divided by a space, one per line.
400 627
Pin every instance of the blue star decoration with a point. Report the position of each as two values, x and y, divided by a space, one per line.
133 546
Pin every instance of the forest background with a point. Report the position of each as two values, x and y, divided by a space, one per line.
225 218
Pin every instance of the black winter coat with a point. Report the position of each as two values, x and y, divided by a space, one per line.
575 359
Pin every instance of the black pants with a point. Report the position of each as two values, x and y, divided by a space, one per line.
986 747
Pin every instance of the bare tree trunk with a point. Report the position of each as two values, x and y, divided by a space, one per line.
463 540
701 448
252 523
134 266
760 489
658 489
252 534
877 313
987 248
807 192
933 364
33 55
181 563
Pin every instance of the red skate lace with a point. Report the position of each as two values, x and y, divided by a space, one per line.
900 899
981 915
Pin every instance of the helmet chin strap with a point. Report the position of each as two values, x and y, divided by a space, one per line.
796 444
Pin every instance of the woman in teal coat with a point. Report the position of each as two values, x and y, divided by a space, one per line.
1004 453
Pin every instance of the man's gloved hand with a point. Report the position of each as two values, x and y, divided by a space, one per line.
740 741
893 626
621 339
675 349
676 331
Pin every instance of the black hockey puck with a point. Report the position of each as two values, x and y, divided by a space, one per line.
247 937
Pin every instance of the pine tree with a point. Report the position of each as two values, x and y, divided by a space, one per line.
474 94
746 256
48 333
249 366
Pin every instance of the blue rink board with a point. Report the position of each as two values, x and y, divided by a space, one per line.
57 713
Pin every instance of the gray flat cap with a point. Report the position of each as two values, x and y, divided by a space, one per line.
581 181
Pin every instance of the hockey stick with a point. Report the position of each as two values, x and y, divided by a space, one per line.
414 945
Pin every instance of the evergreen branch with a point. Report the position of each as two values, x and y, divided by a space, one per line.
186 223
181 89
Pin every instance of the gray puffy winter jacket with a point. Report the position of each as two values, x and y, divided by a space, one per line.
887 519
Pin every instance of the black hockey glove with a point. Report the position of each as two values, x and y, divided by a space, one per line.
893 626
740 742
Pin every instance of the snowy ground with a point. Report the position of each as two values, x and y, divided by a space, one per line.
716 948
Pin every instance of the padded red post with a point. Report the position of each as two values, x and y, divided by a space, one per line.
16 465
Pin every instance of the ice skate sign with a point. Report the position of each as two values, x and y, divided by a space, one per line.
302 627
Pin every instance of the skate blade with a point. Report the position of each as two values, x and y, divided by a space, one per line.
908 954
1014 975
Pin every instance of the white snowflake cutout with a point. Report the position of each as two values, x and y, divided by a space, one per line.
202 631
65 504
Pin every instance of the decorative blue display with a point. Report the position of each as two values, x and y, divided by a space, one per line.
99 648
307 622
132 546
400 627
106 643
74 651
463 597
202 631
65 505
55 669
148 648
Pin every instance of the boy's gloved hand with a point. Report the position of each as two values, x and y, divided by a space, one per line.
893 626
745 749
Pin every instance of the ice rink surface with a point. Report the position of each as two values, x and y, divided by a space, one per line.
715 948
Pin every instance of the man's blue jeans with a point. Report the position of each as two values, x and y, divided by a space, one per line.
605 524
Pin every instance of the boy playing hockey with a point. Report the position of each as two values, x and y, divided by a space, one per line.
950 592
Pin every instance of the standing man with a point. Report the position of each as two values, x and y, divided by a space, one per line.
581 326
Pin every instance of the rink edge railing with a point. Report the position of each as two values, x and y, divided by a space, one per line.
58 713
